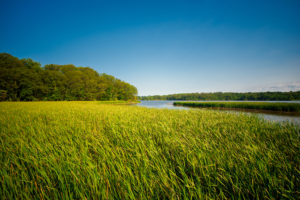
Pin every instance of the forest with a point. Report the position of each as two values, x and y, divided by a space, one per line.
26 80
250 96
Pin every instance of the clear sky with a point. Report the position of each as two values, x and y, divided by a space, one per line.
163 47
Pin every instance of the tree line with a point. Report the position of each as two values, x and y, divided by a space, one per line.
25 80
250 96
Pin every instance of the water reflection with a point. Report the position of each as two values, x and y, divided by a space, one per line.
161 104
267 116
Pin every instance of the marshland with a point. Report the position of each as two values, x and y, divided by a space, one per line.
110 151
283 108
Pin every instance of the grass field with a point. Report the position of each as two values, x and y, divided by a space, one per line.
89 150
280 107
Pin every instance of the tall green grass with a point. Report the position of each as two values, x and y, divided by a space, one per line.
281 107
88 150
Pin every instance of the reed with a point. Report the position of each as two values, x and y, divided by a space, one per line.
89 150
280 107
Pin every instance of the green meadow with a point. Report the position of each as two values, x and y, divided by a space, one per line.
92 150
269 106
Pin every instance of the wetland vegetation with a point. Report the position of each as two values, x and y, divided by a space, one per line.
268 106
95 150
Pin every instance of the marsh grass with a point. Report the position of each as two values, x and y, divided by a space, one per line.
88 150
268 106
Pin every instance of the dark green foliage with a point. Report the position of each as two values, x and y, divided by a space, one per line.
282 107
26 80
249 96
3 95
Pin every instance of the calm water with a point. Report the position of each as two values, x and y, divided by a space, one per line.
271 117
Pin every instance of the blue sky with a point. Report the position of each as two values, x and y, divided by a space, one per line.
163 47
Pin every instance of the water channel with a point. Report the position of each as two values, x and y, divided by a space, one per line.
268 116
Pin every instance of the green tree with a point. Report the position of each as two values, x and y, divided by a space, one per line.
26 80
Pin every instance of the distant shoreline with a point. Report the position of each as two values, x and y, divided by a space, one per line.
228 96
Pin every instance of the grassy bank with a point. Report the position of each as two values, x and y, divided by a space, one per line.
280 107
61 150
119 102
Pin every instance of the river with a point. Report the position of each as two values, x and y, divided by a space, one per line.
267 116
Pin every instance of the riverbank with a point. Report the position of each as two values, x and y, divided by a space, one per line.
292 108
119 102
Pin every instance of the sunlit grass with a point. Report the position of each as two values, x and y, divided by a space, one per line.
57 150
